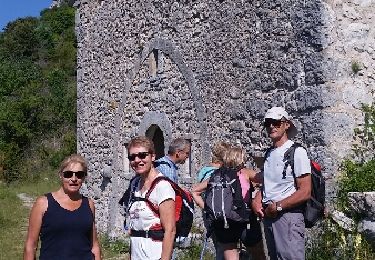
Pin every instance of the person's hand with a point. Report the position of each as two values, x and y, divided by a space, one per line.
257 206
259 211
270 210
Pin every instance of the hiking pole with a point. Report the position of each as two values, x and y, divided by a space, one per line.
264 239
204 247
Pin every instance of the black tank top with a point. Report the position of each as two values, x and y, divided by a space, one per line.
66 234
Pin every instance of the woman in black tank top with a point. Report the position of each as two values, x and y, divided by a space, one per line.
64 219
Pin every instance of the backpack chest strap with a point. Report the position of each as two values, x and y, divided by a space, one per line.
221 184
148 202
153 234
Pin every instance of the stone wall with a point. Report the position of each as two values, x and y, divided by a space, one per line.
208 71
350 34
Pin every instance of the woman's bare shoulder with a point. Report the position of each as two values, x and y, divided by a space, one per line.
41 203
250 173
247 170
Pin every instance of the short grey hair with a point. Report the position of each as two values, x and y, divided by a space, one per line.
177 145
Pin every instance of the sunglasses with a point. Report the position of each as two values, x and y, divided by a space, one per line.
140 155
274 122
69 174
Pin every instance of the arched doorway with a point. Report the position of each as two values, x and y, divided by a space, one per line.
156 135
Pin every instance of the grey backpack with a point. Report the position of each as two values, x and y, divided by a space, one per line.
223 198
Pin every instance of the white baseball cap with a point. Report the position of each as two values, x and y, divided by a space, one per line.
278 113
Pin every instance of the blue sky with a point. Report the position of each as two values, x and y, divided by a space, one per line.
10 10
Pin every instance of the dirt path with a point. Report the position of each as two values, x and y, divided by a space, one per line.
27 202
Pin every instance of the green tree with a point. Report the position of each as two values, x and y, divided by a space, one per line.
20 39
37 90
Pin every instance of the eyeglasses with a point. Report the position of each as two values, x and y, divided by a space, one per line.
69 174
274 122
140 155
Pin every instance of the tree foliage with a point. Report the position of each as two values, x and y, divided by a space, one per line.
358 175
37 90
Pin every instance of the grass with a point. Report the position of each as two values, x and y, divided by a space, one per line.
194 252
13 215
113 248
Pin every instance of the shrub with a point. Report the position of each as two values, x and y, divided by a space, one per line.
356 67
333 242
356 177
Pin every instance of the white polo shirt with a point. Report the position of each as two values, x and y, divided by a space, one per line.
275 187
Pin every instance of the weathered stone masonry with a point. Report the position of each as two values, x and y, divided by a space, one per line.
208 71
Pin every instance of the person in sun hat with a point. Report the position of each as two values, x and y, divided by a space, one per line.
279 113
280 203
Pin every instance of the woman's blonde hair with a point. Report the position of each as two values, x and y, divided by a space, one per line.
74 158
234 158
218 151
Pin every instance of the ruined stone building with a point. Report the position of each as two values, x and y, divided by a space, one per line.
208 71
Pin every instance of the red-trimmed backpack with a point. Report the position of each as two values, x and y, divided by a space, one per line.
314 208
184 204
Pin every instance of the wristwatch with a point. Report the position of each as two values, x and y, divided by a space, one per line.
278 207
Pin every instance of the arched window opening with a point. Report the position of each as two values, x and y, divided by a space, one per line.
156 135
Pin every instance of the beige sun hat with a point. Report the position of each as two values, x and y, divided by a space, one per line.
278 113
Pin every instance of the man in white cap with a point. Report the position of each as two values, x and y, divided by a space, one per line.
281 202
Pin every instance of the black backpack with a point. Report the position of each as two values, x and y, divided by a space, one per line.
314 208
223 198
184 205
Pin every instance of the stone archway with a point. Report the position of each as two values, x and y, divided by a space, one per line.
154 49
156 135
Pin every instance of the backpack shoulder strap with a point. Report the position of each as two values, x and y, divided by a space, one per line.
156 181
289 160
152 186
206 173
267 153
133 184
158 163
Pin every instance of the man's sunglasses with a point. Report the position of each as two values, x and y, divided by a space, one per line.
69 174
274 122
140 155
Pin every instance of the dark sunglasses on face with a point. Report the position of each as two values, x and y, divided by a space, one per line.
140 155
69 174
274 122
